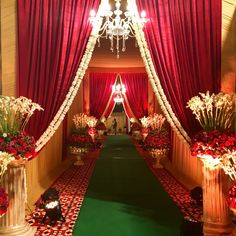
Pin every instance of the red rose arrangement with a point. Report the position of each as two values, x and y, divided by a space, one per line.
80 140
231 199
19 144
213 143
3 202
157 140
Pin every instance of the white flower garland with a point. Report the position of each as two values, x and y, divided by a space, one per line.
55 123
153 78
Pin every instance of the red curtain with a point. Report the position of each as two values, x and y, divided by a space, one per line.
52 36
136 85
100 93
184 39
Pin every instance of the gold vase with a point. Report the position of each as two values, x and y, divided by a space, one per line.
78 152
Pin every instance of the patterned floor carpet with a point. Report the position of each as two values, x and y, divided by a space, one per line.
72 185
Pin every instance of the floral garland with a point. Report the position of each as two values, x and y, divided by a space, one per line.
55 123
153 78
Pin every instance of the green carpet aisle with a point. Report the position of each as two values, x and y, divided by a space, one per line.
124 198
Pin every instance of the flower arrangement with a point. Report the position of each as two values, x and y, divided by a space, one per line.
135 127
3 202
214 143
91 121
215 114
19 144
145 121
157 140
14 115
156 121
80 120
80 140
231 199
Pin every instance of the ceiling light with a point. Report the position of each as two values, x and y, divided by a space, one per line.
117 25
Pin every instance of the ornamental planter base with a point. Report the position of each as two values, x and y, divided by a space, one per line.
21 230
79 161
215 210
13 222
157 163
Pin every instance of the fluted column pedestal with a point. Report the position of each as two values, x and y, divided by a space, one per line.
215 210
13 222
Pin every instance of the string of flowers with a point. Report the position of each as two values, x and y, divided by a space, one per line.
58 118
154 80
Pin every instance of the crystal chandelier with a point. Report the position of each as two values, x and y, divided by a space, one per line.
115 27
118 89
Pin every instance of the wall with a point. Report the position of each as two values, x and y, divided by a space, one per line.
43 170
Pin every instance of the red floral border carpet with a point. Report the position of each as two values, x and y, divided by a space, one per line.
72 185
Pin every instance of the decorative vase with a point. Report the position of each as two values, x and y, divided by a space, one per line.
215 210
13 222
77 151
158 154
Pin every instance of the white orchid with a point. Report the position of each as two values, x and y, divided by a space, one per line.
213 111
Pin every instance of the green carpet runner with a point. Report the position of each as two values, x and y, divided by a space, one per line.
124 198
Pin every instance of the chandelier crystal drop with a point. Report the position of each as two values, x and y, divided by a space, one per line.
118 25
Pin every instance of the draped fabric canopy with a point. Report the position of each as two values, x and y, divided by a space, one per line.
136 92
135 99
52 37
184 39
101 93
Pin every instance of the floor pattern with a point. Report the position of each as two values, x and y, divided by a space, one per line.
72 185
179 194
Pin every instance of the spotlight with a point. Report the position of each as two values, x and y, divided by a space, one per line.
51 204
196 195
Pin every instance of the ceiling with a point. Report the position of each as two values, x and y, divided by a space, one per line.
105 58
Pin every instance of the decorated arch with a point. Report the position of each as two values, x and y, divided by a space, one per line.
181 53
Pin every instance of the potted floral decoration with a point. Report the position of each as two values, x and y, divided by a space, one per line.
158 138
79 140
16 147
14 115
215 114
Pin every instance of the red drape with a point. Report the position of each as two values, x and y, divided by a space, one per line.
184 39
136 93
100 93
52 36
